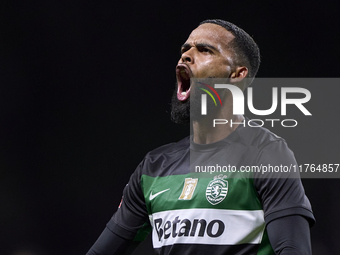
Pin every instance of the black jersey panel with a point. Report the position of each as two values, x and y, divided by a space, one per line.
171 159
281 191
132 214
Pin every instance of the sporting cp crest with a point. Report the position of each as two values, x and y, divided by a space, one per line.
217 190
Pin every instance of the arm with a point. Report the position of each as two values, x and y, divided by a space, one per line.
128 226
109 243
287 211
290 235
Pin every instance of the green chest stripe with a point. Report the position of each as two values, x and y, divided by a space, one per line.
187 192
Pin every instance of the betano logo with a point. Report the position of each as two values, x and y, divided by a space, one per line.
186 228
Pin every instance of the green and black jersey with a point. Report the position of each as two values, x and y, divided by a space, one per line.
216 212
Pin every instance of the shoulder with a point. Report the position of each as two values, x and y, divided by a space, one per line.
262 145
169 149
257 136
167 160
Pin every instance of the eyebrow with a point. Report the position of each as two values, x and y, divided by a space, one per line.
187 45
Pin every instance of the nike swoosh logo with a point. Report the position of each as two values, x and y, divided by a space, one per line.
158 193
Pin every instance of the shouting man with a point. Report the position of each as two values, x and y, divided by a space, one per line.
212 214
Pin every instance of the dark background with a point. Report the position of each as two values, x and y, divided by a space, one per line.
85 88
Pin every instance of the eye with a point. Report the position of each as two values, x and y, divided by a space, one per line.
184 49
204 49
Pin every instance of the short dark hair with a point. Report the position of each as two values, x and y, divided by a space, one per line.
244 47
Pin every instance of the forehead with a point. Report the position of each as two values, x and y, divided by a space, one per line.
212 34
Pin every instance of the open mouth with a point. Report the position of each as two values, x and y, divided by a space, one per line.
183 75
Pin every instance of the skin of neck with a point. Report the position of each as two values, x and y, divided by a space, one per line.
205 133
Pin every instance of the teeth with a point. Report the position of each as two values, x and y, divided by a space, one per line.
183 93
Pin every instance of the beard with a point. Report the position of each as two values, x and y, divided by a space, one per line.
180 110
184 112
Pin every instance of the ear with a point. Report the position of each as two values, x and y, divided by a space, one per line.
239 74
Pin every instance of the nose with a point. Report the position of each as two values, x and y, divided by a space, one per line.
187 57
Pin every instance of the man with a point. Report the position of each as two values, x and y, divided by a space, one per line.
189 214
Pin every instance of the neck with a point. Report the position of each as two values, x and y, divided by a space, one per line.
205 132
